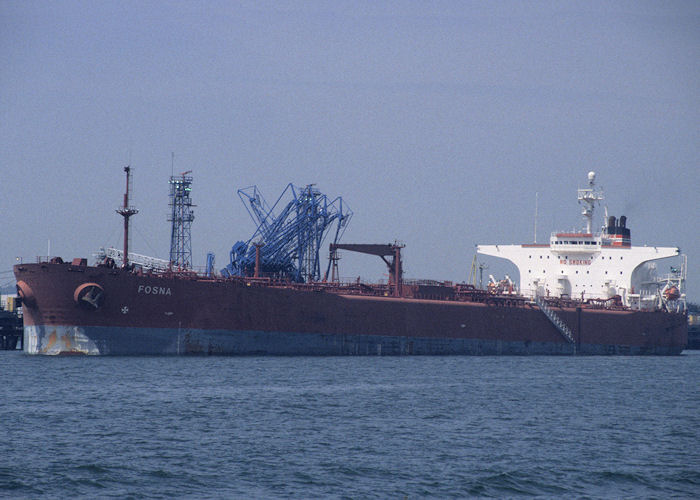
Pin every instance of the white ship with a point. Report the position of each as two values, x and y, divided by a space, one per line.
596 266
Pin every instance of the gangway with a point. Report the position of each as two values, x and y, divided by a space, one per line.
144 261
554 318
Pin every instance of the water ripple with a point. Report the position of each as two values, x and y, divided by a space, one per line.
447 427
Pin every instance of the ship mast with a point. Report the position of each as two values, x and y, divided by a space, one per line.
126 211
181 216
588 197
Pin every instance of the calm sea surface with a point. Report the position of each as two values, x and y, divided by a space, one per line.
353 427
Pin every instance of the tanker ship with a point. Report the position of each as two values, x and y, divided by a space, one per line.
581 293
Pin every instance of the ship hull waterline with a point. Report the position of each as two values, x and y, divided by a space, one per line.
65 340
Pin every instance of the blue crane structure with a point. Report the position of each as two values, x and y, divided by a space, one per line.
288 243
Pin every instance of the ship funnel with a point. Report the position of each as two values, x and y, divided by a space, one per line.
623 221
611 222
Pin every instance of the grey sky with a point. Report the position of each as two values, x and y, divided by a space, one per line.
437 122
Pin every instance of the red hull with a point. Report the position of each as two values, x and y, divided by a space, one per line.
52 298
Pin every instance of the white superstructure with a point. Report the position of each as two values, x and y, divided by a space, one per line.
587 265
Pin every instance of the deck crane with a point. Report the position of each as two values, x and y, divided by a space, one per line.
288 243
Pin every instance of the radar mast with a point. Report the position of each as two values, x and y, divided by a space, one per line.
588 198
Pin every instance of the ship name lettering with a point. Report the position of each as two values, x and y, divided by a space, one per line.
575 262
154 290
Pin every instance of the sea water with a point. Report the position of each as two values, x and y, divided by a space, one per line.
350 427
